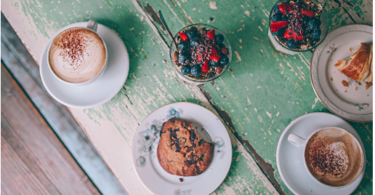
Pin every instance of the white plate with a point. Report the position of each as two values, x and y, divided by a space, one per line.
100 90
290 159
146 162
354 102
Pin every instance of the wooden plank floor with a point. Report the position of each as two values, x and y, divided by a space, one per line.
33 159
22 66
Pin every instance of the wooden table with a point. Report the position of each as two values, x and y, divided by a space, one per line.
262 92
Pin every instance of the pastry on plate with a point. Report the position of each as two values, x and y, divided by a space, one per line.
359 65
181 151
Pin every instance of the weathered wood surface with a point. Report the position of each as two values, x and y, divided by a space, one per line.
257 98
33 160
25 70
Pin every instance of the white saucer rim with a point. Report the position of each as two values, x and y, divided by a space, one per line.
72 105
361 175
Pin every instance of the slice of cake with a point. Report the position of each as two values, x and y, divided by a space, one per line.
359 65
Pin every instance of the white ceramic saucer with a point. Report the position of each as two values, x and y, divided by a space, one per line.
146 141
99 90
355 101
290 161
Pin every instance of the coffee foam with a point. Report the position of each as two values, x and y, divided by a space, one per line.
334 157
77 55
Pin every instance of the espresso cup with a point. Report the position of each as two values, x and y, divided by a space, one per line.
332 156
78 55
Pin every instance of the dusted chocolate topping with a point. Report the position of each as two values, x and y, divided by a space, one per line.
327 160
73 45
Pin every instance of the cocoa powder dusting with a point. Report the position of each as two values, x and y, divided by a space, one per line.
324 160
73 45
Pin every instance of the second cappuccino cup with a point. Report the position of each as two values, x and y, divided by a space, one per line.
332 156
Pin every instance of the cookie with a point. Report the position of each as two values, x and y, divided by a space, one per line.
181 151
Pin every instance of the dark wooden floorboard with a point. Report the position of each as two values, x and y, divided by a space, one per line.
33 159
25 70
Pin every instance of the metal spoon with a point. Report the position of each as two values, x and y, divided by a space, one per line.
166 26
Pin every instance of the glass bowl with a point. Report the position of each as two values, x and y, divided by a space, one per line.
323 27
192 79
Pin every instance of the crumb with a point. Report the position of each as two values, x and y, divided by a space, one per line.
356 88
331 79
359 83
351 49
346 91
368 85
368 94
345 83
181 179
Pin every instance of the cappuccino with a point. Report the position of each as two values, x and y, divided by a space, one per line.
334 157
77 55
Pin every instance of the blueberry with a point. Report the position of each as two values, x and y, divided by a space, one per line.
284 18
182 46
214 64
280 32
196 70
276 17
219 38
306 32
305 18
316 34
185 69
313 23
194 42
276 9
191 33
224 60
182 57
221 45
291 44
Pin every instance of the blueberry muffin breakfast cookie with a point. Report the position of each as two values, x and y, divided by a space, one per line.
201 53
181 151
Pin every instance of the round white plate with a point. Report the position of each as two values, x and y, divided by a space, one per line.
100 90
289 158
354 102
146 141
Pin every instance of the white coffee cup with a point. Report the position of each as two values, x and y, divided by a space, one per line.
302 143
92 25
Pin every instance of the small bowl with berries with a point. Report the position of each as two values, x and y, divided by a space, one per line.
202 54
297 25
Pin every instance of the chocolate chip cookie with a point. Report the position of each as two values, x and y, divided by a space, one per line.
181 151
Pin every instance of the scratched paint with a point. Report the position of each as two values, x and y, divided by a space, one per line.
152 82
271 84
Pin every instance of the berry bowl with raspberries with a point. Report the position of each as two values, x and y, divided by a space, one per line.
203 53
298 25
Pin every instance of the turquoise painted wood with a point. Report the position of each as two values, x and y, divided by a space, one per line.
262 92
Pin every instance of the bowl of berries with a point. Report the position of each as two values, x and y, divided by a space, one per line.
297 25
202 54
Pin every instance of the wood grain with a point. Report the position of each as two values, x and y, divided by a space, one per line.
25 70
33 159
